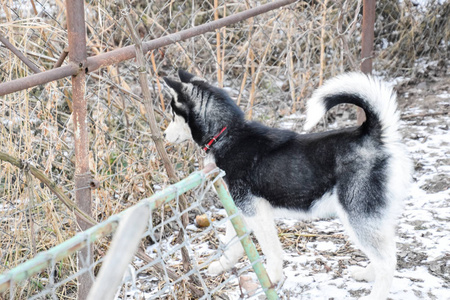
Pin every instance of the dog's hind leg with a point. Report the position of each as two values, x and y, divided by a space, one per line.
232 254
380 249
263 226
376 239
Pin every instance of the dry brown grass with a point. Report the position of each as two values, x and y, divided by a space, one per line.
272 61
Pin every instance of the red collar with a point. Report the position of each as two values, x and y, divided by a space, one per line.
213 140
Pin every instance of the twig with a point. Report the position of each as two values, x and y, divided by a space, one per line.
30 207
244 77
224 36
158 83
196 293
290 64
156 134
126 92
348 32
253 85
247 61
257 75
218 50
124 103
50 184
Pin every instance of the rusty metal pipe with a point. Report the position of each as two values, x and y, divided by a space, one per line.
61 59
77 55
38 79
368 25
118 55
115 56
367 35
19 54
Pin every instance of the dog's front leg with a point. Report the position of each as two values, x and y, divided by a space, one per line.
232 253
263 226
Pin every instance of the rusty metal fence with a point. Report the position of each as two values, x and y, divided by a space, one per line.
75 138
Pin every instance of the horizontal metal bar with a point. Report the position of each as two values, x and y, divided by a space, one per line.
82 239
38 79
118 55
129 52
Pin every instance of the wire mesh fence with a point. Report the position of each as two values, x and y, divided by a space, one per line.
156 272
268 63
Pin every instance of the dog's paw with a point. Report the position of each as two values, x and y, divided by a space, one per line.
363 274
275 273
215 268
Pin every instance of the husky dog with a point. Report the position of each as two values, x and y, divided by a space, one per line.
359 174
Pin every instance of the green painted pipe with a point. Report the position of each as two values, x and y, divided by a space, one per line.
241 231
45 259
79 241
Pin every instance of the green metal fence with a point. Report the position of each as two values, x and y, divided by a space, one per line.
130 227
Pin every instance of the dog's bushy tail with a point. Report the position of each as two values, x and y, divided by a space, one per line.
374 96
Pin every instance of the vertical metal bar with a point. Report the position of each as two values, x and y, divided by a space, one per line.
367 35
77 55
367 44
247 243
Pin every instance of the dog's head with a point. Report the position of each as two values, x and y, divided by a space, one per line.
199 110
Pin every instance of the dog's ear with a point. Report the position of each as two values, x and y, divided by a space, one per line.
175 85
185 76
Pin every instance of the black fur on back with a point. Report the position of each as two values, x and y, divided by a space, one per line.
287 169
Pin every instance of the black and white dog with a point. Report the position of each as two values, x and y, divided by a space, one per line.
359 174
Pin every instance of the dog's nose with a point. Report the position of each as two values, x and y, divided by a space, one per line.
164 135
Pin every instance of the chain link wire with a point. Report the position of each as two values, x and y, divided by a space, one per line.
269 65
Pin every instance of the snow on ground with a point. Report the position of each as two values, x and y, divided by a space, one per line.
320 270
